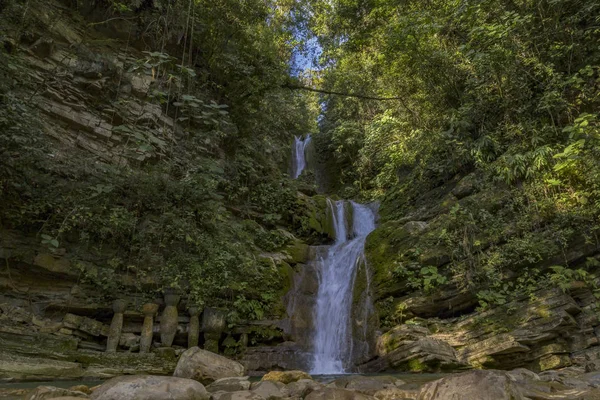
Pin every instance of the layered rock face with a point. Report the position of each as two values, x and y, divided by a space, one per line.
554 330
435 322
55 323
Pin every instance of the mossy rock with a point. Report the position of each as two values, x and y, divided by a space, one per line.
553 361
286 273
365 320
285 377
297 252
383 247
435 256
317 218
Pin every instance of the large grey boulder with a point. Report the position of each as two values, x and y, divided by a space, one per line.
270 390
239 395
330 393
229 384
150 387
303 387
480 385
206 367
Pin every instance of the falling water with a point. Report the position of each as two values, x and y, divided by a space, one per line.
298 153
332 342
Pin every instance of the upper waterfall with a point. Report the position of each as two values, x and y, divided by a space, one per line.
299 155
332 341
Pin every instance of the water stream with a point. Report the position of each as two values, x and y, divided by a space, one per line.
299 155
332 341
336 269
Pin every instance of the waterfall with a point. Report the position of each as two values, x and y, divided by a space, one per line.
298 155
332 341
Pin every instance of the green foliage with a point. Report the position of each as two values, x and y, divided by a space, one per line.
564 277
427 278
489 85
504 93
197 203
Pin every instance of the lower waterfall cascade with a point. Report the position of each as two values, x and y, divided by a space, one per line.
332 340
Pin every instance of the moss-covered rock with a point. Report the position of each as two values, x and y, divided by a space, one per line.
297 252
286 376
384 246
553 361
364 318
317 219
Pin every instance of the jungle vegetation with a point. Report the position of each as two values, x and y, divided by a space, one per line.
503 92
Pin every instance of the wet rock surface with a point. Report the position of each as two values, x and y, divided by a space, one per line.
518 384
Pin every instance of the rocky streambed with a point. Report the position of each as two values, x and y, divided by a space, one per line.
202 375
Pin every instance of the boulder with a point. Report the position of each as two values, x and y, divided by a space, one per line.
396 394
229 384
81 388
337 394
399 335
286 376
51 392
239 395
206 367
270 390
67 398
466 186
150 387
303 387
480 385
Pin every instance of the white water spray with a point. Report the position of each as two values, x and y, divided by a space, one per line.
332 342
299 155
